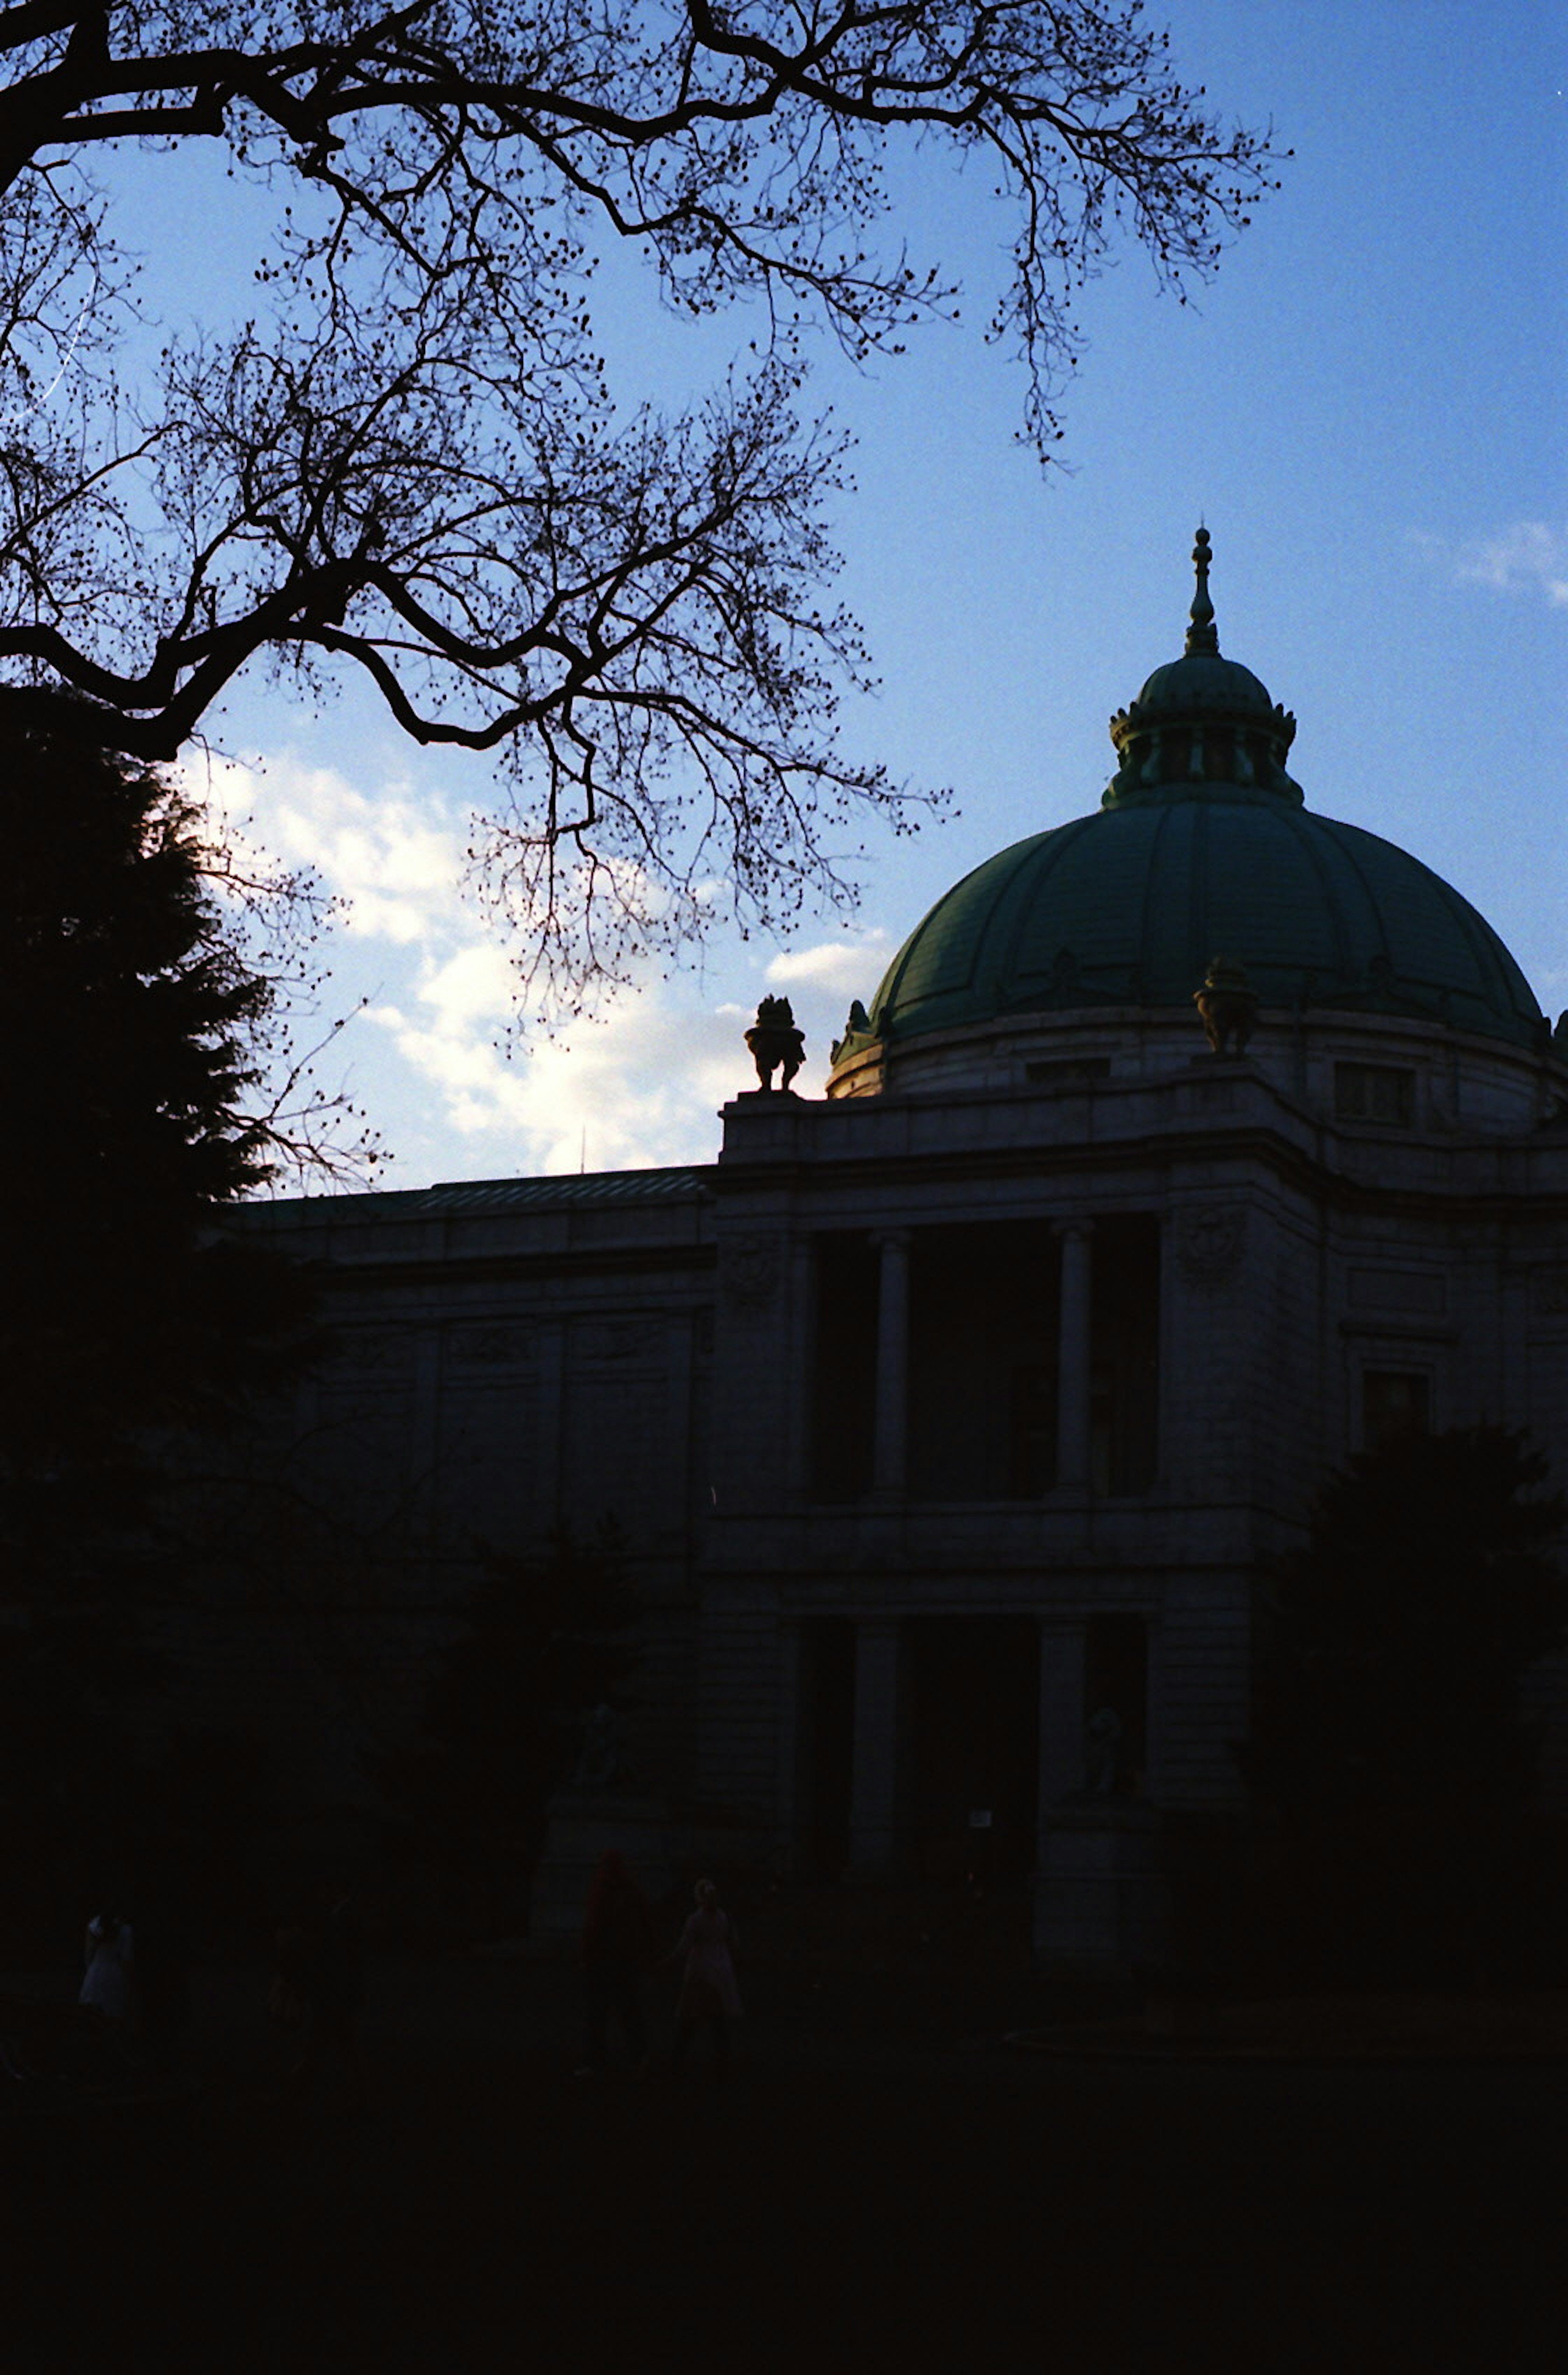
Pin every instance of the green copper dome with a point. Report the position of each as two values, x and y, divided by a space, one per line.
1201 847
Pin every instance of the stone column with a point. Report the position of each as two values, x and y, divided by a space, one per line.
1073 1351
891 1439
1061 1713
874 1807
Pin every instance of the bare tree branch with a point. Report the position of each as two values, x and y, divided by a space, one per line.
404 460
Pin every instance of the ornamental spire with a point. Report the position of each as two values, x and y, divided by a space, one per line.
1201 636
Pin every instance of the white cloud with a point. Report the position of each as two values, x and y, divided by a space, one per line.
1529 557
439 1060
474 986
851 965
394 859
644 1087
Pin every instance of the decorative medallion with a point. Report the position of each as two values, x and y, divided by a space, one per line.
751 1269
1552 1293
1210 1239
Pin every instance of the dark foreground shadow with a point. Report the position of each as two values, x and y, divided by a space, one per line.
836 2208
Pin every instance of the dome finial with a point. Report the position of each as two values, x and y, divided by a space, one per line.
1201 634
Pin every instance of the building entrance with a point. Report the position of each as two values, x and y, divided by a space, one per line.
974 1731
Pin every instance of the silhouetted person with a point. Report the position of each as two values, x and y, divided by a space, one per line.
109 1981
1103 1763
617 1936
709 1997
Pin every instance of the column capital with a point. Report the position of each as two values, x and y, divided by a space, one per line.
1074 1228
897 1238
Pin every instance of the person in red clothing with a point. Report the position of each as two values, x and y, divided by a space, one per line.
617 1936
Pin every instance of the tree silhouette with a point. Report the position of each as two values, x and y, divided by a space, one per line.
1398 1636
543 1639
1389 1736
401 458
131 1035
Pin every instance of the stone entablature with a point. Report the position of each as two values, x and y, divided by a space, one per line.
930 1139
964 1554
1463 1081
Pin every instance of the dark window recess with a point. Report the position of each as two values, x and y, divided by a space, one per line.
826 1743
1068 1071
844 1399
1116 1706
1381 1093
1123 1424
973 1746
983 1362
1033 1433
1394 1403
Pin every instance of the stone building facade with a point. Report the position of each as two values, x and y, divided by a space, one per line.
949 1420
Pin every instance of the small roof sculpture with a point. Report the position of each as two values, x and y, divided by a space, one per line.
775 1041
1227 1004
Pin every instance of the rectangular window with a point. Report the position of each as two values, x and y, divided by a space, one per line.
1124 1400
983 1362
1034 1466
1394 1403
844 1386
1380 1093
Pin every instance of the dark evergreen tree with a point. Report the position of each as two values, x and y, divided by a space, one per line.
1396 1640
129 1023
132 1035
543 1641
1390 1745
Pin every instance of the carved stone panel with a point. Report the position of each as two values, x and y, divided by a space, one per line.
1398 1289
615 1341
491 1344
386 1354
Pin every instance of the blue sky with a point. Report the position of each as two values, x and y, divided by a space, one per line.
1367 408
